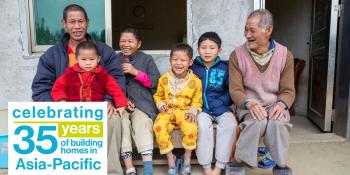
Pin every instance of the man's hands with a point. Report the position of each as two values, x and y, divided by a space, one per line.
277 112
129 68
258 112
111 109
120 111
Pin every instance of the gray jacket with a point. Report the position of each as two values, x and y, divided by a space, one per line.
139 95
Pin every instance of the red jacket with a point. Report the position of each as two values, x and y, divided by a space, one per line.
78 85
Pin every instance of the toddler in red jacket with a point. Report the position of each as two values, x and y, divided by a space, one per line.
87 81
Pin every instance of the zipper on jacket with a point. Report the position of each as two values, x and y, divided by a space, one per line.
205 88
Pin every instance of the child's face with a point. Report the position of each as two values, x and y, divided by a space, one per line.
128 44
180 63
88 59
208 50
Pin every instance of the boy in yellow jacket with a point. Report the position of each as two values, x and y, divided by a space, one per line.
179 100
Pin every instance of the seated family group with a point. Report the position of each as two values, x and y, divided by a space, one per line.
258 80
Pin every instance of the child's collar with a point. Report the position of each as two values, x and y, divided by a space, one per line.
200 61
189 72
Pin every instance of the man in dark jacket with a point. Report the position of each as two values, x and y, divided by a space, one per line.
56 59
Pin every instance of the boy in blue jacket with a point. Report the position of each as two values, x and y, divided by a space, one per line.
216 101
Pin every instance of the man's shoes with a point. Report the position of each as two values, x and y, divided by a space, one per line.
265 160
282 170
235 168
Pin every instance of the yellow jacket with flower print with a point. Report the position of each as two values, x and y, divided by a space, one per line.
178 93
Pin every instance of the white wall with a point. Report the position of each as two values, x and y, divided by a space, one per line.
227 17
16 71
292 28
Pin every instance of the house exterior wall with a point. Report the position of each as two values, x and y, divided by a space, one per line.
18 65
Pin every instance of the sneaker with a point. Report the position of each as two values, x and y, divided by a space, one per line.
148 173
131 171
263 150
282 171
174 170
185 169
265 160
234 168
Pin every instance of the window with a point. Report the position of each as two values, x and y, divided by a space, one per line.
161 23
45 21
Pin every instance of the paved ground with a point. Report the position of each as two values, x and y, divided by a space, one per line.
311 152
305 159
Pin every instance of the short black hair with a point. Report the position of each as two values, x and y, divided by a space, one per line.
86 45
74 7
131 29
212 36
182 47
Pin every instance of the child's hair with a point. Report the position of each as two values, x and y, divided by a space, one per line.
86 45
74 7
212 36
182 47
131 29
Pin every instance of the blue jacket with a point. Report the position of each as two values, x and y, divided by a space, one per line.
54 62
216 96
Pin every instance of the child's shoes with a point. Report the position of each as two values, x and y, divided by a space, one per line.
185 169
174 170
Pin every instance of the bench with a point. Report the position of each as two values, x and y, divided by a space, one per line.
176 139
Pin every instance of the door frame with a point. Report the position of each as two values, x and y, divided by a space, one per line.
259 4
326 125
332 52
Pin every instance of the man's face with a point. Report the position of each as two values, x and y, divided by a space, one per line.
76 25
256 35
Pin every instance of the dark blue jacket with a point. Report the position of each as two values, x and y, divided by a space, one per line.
54 62
216 96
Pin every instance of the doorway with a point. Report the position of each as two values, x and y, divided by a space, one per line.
309 29
292 28
161 23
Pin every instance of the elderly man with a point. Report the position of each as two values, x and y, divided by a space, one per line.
262 86
56 59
